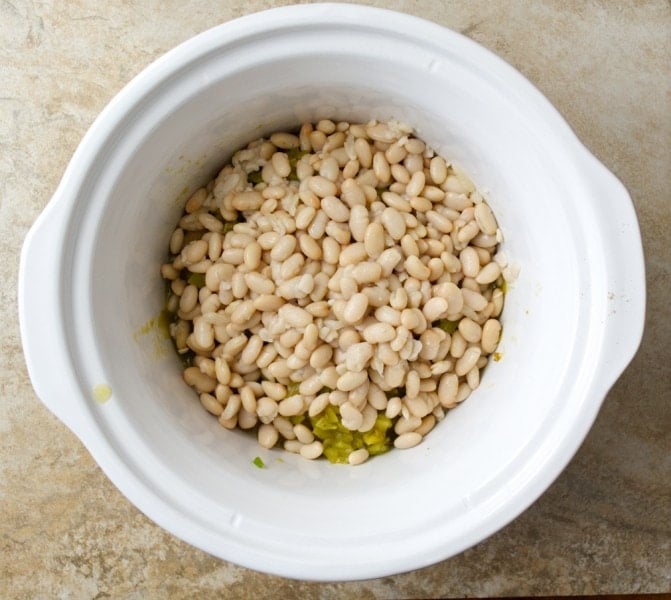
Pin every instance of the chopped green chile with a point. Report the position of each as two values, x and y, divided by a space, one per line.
339 442
197 279
255 177
448 326
295 154
186 358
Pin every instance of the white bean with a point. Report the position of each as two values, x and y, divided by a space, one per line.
491 331
356 457
378 333
351 380
407 440
312 451
355 309
393 222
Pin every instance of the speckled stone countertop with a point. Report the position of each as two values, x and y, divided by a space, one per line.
605 524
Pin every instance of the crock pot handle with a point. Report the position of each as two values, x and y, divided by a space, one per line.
626 290
40 316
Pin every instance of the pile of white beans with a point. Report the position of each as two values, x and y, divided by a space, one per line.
344 263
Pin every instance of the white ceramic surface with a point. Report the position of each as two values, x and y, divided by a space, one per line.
89 281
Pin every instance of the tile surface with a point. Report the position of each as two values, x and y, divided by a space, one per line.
603 527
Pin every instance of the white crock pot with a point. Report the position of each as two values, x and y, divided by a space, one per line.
89 282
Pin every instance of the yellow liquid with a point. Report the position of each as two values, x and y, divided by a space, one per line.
102 393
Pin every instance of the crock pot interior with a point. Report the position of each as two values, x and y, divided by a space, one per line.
174 142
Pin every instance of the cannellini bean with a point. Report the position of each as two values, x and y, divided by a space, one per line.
374 240
252 350
458 345
283 248
447 389
351 380
474 299
286 141
381 168
352 194
367 272
211 404
405 424
358 222
436 308
467 360
267 302
409 245
355 309
388 260
363 153
357 357
189 299
485 219
194 252
266 409
393 222
386 314
267 435
357 457
274 390
427 424
473 377
321 186
488 274
248 399
330 251
176 241
412 384
335 209
439 222
416 184
416 268
293 405
312 451
231 409
310 247
259 284
438 170
310 386
353 254
194 377
295 316
269 239
491 331
318 404
407 440
470 330
352 418
378 333
247 201
470 262
304 217
293 446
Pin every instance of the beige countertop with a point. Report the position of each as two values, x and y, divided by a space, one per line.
605 524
